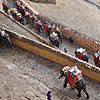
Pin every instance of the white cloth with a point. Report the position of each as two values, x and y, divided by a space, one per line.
80 50
2 33
75 69
53 34
97 54
65 69
26 13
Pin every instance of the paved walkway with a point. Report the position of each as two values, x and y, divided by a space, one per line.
15 84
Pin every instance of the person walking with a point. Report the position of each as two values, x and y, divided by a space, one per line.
49 95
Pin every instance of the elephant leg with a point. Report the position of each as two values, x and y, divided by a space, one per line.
79 93
84 89
8 42
66 81
57 43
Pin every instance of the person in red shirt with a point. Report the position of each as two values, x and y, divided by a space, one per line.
46 26
65 50
96 55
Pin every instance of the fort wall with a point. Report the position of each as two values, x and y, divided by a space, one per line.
45 1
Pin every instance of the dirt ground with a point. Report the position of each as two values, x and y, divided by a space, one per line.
79 15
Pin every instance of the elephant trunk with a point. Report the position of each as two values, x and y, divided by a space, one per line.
61 76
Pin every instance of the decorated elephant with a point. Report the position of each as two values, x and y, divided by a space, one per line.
98 61
97 58
13 12
54 39
27 16
5 6
74 77
59 33
81 54
40 27
4 38
19 18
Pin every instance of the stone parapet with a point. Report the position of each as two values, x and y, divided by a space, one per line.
54 54
44 1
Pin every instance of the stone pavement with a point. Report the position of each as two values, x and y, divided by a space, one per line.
15 84
38 75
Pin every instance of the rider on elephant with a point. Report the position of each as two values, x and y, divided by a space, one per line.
14 12
46 26
58 31
96 55
49 28
5 6
19 18
53 28
40 27
5 36
27 14
35 24
4 2
18 6
54 39
53 35
23 10
81 54
32 18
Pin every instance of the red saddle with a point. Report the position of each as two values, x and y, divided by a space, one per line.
73 79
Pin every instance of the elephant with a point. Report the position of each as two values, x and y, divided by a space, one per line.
6 7
76 81
27 17
14 12
81 54
98 61
5 40
97 58
40 27
21 20
59 34
55 41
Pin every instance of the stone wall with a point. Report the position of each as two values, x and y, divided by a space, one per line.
54 54
44 1
78 37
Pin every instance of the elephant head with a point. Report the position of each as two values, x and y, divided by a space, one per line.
64 71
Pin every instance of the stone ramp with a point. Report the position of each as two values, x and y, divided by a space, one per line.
16 84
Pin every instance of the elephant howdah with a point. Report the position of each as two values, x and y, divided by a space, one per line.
97 58
81 54
74 77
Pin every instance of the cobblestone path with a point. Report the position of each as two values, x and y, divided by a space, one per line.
33 69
